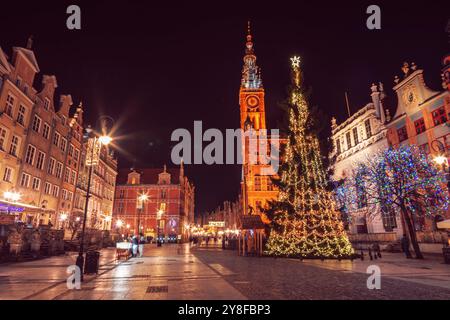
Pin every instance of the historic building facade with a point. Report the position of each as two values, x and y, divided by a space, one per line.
256 187
421 119
169 203
102 189
39 142
356 140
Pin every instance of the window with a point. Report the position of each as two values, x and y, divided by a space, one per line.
25 180
76 155
59 167
121 194
46 131
63 144
63 120
46 104
29 157
419 125
51 166
55 191
7 175
9 105
40 160
36 185
56 138
402 134
21 115
349 140
425 148
73 176
355 135
368 128
14 146
269 184
69 196
389 220
64 194
66 174
439 116
47 188
257 183
70 152
163 194
2 138
36 124
338 146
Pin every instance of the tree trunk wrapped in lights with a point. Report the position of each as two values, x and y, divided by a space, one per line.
305 223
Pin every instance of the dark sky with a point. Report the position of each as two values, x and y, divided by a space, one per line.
159 65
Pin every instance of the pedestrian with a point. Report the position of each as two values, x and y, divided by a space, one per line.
141 245
405 246
134 245
377 250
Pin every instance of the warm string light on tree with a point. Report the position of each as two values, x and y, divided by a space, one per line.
305 223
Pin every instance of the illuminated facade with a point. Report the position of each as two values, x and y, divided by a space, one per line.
170 202
257 189
40 142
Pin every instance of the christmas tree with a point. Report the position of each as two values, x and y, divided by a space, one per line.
304 223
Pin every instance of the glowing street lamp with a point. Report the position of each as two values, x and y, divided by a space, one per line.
11 196
440 160
119 223
142 198
94 146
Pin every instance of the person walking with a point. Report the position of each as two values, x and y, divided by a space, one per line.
405 246
141 245
134 245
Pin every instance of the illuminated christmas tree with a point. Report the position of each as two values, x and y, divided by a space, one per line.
305 223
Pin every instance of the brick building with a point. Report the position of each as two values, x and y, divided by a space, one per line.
170 203
39 142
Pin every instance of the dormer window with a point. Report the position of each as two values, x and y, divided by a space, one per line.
46 104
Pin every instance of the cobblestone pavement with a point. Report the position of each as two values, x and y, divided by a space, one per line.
270 278
168 272
179 272
42 279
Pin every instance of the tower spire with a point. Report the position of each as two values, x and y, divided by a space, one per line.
251 75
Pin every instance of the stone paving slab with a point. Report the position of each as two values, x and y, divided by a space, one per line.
292 279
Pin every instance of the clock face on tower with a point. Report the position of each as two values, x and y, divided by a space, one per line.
409 95
252 102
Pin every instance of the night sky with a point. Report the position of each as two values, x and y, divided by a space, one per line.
157 66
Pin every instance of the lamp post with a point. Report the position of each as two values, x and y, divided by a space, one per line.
142 198
93 153
158 220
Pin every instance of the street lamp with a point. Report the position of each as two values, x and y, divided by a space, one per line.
11 196
158 221
94 146
142 198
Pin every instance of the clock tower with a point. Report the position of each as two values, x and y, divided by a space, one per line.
251 93
256 185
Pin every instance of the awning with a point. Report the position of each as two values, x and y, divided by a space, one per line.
444 224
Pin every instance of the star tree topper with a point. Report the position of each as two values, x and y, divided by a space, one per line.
295 60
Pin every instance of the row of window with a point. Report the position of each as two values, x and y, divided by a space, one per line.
13 144
27 181
439 117
349 143
263 183
9 110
